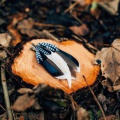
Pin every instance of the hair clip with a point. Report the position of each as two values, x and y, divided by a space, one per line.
58 63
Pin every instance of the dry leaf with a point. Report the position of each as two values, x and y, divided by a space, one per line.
37 115
108 85
110 61
110 6
5 40
26 24
81 2
28 99
25 90
26 27
104 101
82 114
109 117
80 30
23 102
116 87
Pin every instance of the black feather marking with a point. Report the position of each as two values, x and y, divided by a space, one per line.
70 60
42 50
52 68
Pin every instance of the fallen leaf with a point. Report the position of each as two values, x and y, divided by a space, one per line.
25 90
82 114
108 85
81 2
109 117
110 61
23 102
116 87
26 27
29 98
36 105
5 40
27 23
104 101
110 6
80 30
37 115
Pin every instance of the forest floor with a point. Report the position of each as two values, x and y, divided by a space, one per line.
86 21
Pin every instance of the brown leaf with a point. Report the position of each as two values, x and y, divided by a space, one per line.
104 101
80 30
23 102
5 40
116 87
25 90
26 27
27 23
82 114
109 117
28 99
110 61
81 2
38 115
110 6
108 85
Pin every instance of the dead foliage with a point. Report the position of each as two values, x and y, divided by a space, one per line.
109 60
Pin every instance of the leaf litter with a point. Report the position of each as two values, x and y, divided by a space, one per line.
104 28
109 58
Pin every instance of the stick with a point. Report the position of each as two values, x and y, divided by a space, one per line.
70 7
72 100
50 35
5 91
5 49
2 107
95 98
77 19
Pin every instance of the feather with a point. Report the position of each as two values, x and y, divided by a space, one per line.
70 60
58 63
61 64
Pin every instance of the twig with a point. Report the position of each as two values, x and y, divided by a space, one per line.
5 91
5 49
50 35
84 41
49 25
70 7
2 107
95 98
106 45
72 100
77 19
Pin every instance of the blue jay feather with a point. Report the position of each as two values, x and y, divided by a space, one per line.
71 61
57 62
